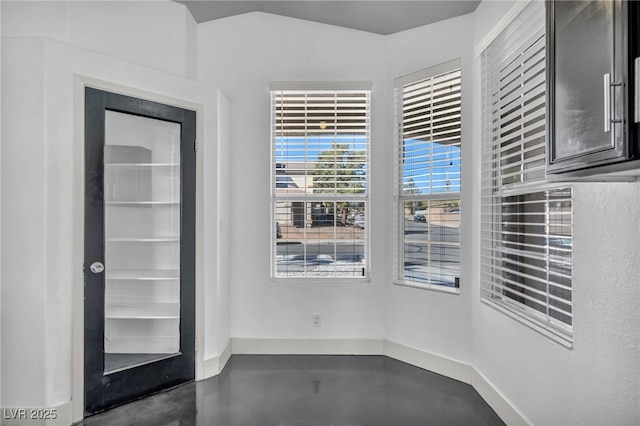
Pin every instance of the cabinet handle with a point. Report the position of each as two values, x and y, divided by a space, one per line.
637 94
607 102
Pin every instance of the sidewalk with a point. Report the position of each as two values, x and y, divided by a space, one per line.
351 232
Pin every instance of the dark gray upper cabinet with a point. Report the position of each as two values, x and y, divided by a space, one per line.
591 47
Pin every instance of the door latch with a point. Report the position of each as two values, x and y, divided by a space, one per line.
97 267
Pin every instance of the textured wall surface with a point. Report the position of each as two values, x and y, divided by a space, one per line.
595 383
598 381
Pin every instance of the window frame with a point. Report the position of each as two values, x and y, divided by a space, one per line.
446 68
521 41
359 87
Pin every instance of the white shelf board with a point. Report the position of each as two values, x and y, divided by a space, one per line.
142 311
143 274
141 203
143 239
142 164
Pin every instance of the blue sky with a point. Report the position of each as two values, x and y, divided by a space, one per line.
434 167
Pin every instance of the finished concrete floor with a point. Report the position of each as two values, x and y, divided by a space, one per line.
310 390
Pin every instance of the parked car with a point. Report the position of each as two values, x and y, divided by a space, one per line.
278 231
419 217
358 220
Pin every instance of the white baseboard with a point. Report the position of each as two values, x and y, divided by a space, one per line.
214 366
496 400
224 356
59 415
461 371
307 346
457 370
65 415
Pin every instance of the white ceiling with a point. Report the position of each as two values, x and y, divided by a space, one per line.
380 17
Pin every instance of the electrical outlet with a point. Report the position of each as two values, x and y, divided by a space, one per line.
315 320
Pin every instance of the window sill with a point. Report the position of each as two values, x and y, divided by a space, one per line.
430 287
304 280
527 320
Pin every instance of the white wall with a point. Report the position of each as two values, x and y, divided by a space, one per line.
216 249
158 34
223 319
595 383
233 57
0 212
40 176
598 382
241 55
428 320
23 230
40 166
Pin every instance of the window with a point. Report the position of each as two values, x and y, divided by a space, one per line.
428 106
320 169
526 222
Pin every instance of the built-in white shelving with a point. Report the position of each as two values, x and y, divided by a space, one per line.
142 311
142 236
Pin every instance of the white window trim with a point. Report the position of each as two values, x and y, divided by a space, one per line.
399 199
501 25
518 314
555 330
320 85
337 86
427 73
430 287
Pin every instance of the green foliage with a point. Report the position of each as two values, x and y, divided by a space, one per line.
340 171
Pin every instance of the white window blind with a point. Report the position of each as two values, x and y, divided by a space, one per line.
526 223
320 169
428 121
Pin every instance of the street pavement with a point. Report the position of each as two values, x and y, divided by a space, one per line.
345 255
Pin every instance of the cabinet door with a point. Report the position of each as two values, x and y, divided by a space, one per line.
586 48
139 248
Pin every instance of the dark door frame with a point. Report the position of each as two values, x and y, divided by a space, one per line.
102 391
